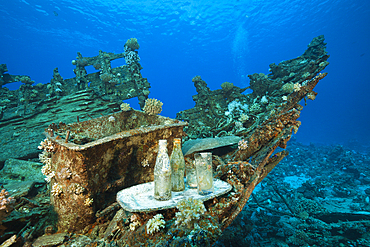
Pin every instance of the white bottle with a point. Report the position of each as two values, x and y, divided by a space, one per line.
162 173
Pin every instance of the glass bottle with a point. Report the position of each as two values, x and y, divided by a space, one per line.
162 173
191 175
203 164
178 166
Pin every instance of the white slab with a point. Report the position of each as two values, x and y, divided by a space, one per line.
140 198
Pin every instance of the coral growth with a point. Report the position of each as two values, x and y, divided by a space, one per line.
6 204
135 222
297 87
125 107
65 173
242 144
227 86
236 107
287 88
46 145
88 202
154 225
131 57
46 170
56 190
132 44
190 212
45 158
24 79
105 77
111 119
153 106
243 118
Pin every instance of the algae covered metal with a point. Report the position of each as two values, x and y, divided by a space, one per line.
94 159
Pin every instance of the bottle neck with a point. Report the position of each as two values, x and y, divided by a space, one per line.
177 143
162 145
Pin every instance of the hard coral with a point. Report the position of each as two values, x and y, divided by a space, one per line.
190 212
155 224
125 107
6 204
153 106
242 144
46 145
288 88
132 44
56 190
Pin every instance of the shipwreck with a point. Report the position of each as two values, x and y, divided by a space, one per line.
95 149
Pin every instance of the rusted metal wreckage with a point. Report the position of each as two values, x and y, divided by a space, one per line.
110 153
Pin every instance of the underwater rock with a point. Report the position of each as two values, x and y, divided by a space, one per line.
21 170
50 240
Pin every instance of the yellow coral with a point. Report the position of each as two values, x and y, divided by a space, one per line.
153 106
125 107
88 202
56 190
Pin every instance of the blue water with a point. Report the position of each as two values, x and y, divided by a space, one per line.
219 40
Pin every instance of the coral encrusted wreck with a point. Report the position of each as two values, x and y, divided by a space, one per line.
94 159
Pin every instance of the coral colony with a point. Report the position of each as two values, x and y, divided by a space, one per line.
97 146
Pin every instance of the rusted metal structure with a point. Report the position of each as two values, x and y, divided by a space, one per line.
94 159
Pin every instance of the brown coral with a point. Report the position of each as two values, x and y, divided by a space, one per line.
132 44
153 106
6 204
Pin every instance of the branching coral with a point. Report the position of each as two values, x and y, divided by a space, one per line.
153 106
56 190
155 224
125 107
6 204
46 145
88 202
45 158
242 144
297 87
190 212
